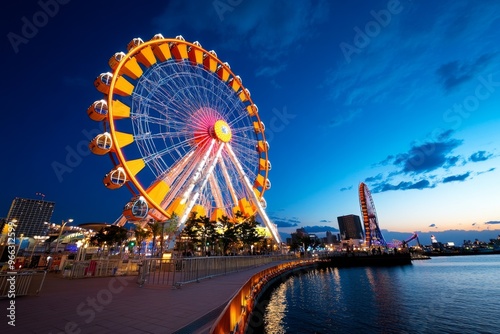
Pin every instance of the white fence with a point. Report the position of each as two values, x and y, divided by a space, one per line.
176 272
21 283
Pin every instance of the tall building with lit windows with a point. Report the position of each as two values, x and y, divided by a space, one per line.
350 227
30 215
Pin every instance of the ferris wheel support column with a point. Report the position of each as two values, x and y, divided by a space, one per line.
217 192
228 181
200 188
197 173
260 209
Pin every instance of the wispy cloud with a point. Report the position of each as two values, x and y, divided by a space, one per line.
403 185
343 116
453 178
486 171
375 178
428 156
285 222
270 28
375 75
493 222
316 229
346 188
421 165
480 156
455 73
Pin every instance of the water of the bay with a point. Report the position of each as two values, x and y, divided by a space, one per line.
459 294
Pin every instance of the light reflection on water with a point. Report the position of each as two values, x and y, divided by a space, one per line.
445 295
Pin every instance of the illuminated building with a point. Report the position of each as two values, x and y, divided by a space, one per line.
30 215
350 227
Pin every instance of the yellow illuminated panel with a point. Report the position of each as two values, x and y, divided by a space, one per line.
123 139
162 52
146 57
123 87
158 191
135 166
120 110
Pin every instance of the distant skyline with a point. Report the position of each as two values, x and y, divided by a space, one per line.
402 95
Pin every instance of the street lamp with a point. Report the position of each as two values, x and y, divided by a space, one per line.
20 243
60 232
37 238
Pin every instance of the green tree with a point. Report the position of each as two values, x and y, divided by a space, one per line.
247 232
300 241
155 228
111 235
169 227
206 234
187 238
141 234
227 234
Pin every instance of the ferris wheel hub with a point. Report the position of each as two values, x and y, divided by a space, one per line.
222 131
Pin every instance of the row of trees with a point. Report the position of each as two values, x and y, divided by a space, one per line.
221 237
199 233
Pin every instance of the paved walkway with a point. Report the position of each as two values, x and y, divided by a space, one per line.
119 305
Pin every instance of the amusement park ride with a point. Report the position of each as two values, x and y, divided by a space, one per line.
183 134
373 234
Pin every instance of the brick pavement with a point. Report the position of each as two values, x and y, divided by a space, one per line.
119 305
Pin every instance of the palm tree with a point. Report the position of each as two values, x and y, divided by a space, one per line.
248 233
141 234
169 227
206 228
156 229
111 235
228 233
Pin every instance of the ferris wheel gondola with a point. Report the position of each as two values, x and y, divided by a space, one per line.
182 132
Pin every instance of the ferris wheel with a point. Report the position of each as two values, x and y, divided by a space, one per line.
373 235
182 132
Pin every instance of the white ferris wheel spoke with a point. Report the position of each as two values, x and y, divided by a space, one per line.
229 184
216 191
203 182
260 209
198 172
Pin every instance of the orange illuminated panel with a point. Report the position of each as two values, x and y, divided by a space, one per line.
210 64
195 55
162 52
199 210
260 181
131 68
123 87
223 73
146 56
179 51
176 207
252 110
158 190
217 214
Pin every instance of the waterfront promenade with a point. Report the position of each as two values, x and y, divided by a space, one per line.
119 305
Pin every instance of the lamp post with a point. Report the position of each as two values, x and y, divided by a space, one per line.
60 232
37 238
20 243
